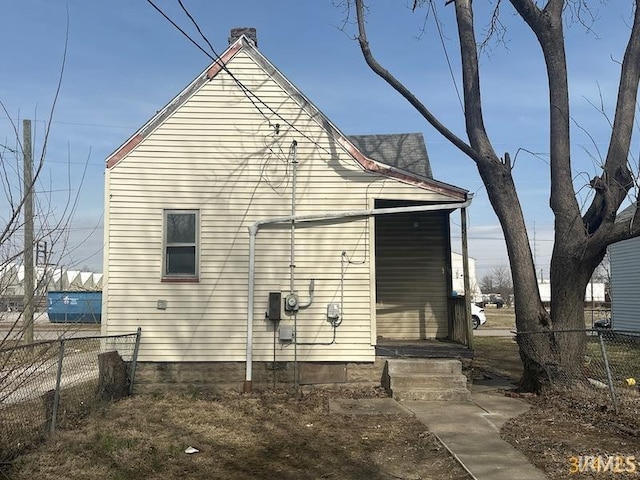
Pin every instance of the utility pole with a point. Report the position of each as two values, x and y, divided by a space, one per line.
29 277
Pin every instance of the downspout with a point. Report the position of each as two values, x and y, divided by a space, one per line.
253 233
313 218
292 260
294 174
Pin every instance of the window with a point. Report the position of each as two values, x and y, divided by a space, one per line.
180 244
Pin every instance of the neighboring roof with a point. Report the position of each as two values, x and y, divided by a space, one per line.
398 172
406 151
627 214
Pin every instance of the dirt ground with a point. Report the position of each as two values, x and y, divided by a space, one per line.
273 435
563 428
280 435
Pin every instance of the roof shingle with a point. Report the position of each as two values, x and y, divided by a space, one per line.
404 151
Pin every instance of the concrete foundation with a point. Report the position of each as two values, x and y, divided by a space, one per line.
221 376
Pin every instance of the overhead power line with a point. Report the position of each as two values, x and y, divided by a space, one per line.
159 10
251 96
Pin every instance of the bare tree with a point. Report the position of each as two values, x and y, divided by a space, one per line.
502 278
581 236
498 282
487 284
603 272
52 217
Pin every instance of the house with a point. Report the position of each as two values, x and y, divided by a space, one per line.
458 280
242 227
624 258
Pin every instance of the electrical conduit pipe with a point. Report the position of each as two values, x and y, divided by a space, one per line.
319 217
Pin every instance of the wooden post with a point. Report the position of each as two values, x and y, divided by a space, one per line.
27 178
467 283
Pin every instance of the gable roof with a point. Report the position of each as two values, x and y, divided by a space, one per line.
384 152
406 151
627 214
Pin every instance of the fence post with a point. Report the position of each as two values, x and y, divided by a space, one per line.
56 397
134 360
612 389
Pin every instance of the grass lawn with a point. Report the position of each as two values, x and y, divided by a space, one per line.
272 435
498 355
505 317
502 318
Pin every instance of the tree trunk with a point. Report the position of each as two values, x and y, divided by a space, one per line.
549 354
531 316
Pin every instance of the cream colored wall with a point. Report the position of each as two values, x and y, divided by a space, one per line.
219 154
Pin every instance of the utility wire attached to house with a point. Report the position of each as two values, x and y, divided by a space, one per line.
251 96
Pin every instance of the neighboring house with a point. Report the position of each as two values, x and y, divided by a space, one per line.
624 258
200 246
457 277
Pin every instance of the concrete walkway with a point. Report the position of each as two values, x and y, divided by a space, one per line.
471 432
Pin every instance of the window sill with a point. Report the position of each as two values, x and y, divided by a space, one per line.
180 280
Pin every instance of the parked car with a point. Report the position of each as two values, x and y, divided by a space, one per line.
491 299
602 323
477 316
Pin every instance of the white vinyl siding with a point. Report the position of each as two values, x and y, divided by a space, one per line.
219 155
625 284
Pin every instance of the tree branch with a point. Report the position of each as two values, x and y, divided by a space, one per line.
402 90
547 24
529 12
620 230
616 180
471 81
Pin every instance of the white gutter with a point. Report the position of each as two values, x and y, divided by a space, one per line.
319 217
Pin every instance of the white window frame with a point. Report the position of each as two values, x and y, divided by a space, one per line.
196 244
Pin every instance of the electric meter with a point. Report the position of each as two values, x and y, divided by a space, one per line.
291 302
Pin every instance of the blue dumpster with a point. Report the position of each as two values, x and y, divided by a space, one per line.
75 307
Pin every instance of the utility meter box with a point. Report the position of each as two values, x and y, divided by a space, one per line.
333 311
286 333
273 312
291 303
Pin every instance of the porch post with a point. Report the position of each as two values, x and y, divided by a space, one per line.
467 283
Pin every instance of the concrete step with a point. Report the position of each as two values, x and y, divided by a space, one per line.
433 394
427 381
433 366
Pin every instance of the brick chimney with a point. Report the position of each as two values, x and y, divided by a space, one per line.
248 32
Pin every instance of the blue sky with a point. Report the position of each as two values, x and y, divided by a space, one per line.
124 62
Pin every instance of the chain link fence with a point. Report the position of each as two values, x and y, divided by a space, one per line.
52 384
600 360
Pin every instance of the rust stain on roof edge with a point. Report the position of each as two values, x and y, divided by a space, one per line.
387 171
173 105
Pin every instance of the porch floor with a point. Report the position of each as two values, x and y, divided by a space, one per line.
432 348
